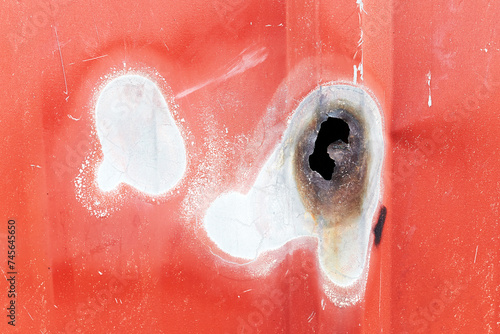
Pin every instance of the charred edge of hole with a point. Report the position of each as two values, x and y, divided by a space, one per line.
377 230
333 131
339 195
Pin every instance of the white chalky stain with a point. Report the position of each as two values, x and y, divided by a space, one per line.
141 144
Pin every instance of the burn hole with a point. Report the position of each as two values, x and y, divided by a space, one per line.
331 131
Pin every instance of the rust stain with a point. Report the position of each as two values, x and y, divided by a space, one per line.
332 202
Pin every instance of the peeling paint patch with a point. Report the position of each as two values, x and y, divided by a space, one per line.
359 68
141 144
290 199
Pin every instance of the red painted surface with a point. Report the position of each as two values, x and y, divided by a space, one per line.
146 268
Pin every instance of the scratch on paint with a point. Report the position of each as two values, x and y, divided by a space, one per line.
28 312
359 68
94 58
37 166
247 59
475 256
75 119
62 63
429 102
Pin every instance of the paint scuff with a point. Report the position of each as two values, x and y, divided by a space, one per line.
247 59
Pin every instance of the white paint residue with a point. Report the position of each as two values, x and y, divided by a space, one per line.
429 101
489 47
247 59
73 118
266 218
214 147
359 68
28 312
87 196
141 144
272 212
360 5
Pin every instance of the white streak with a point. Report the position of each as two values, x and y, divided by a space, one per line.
94 58
429 101
475 256
62 63
247 59
28 312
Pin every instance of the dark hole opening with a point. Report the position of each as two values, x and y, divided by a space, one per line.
330 131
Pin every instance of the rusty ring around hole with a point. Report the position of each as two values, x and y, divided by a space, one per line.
343 208
332 201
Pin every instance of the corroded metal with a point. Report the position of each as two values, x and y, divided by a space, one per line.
333 201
